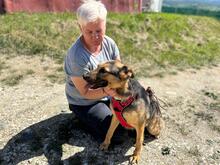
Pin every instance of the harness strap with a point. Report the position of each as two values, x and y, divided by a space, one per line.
119 106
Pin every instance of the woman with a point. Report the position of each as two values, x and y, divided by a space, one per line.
92 47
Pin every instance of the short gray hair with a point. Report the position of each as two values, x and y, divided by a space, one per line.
91 11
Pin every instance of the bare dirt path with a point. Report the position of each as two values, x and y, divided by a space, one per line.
35 113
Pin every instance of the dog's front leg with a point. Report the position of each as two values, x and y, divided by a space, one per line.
111 130
139 142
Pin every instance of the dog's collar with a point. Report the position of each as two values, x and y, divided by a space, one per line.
119 106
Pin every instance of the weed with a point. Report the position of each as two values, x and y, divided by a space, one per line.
173 73
195 121
165 150
56 78
2 65
204 116
53 78
29 72
210 94
214 106
194 151
60 69
210 119
215 127
183 130
215 155
12 80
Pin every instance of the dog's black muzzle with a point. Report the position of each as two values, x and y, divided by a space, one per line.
95 83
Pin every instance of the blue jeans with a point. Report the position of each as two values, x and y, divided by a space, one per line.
97 119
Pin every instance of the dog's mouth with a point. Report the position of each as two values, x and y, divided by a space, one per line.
95 83
99 84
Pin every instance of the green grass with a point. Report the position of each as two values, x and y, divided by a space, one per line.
2 65
13 79
146 41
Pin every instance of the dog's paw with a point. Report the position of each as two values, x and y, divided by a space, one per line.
157 136
134 159
104 146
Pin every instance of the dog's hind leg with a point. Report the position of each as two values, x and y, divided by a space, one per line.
114 124
155 126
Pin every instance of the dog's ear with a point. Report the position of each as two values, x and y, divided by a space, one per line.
131 73
126 73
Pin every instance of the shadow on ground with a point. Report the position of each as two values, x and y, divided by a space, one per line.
48 136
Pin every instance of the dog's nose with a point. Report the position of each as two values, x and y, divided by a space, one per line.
86 76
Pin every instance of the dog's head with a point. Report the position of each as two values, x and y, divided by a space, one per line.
113 74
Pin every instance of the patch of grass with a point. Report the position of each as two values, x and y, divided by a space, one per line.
209 118
60 69
210 94
165 150
56 78
216 155
53 78
183 130
215 127
214 106
204 116
162 40
195 122
13 79
29 72
159 74
2 65
173 73
38 34
194 151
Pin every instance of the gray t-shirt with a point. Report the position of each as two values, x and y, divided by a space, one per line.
79 61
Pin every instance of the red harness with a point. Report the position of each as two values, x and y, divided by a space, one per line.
119 106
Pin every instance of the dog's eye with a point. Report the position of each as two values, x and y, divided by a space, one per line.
102 70
125 69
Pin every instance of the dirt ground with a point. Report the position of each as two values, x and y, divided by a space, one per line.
36 126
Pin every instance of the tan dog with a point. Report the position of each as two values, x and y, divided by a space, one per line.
140 111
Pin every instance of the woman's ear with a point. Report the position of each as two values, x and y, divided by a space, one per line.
80 27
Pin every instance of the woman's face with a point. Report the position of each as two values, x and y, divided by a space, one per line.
93 33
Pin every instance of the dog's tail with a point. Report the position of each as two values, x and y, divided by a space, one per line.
154 103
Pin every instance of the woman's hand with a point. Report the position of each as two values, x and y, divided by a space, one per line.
109 91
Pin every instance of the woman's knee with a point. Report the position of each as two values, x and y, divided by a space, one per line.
100 111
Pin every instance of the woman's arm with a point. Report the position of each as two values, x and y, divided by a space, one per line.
118 58
89 93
